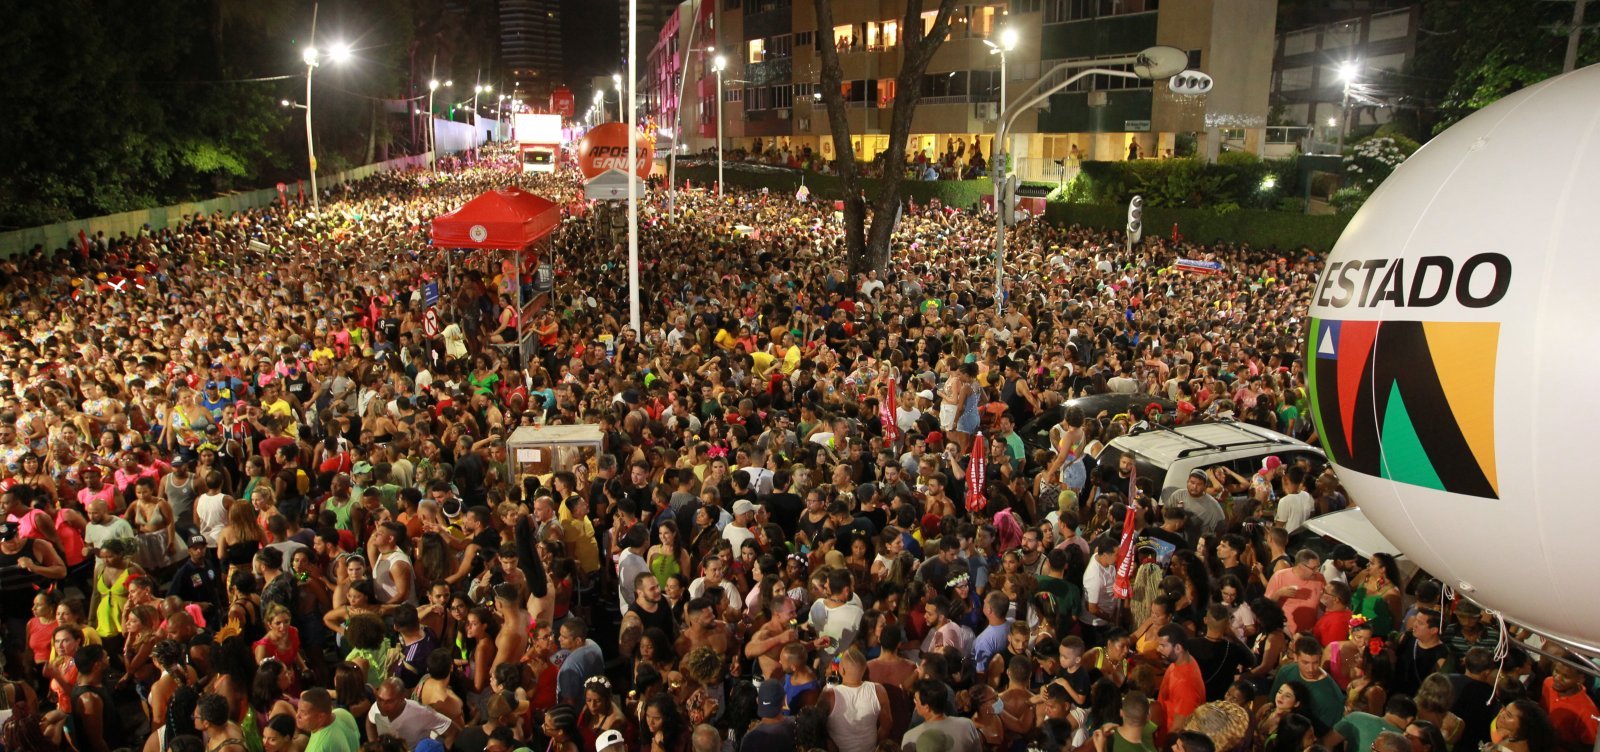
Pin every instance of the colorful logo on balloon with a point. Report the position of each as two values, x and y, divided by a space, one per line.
1409 401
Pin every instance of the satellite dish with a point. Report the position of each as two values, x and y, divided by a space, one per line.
1160 62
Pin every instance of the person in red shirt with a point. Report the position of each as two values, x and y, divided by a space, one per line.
1334 625
1182 687
1571 711
1298 589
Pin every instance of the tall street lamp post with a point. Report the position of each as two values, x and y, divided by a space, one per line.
720 63
1347 73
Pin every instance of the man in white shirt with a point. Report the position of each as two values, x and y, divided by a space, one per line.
631 563
738 531
1296 506
393 713
1099 603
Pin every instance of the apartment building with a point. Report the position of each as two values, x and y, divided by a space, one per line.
770 87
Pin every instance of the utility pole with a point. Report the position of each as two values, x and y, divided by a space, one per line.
1574 36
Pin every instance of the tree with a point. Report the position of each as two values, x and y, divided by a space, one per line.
1470 53
870 251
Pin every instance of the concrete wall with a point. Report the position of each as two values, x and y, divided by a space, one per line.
60 234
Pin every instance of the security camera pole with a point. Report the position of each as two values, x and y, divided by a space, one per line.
1153 63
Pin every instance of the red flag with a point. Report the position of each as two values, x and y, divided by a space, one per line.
83 244
975 472
1123 586
887 410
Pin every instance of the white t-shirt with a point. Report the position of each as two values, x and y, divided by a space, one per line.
415 723
730 593
736 536
1097 589
211 515
1294 509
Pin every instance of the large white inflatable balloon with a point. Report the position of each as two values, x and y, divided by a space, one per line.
1453 354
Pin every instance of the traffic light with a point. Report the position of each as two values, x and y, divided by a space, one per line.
1190 82
1135 221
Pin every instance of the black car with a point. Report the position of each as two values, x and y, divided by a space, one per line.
1036 433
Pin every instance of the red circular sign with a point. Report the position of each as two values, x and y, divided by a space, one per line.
605 147
562 102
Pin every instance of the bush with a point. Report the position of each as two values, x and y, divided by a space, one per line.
961 194
1263 229
1347 200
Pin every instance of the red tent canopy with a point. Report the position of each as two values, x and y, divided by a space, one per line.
508 219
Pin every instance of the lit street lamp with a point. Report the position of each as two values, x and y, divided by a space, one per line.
433 128
1152 63
1348 70
719 63
616 78
1008 42
476 90
312 58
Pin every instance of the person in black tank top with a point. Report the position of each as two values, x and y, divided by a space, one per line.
95 722
20 582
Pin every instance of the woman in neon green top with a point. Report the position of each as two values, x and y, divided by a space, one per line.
369 647
111 587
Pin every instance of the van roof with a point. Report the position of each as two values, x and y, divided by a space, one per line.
1163 446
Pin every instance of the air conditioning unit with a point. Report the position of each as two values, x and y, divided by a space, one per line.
1097 99
988 111
805 124
783 114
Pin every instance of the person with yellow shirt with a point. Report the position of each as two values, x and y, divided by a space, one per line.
578 533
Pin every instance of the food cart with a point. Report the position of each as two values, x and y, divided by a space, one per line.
540 451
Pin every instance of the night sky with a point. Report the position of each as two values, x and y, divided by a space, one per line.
591 44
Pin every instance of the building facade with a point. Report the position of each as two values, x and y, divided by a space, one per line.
1307 86
771 97
530 45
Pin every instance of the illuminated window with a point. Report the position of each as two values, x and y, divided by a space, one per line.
891 34
981 22
844 37
757 50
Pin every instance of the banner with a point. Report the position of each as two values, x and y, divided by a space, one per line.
1123 587
1196 266
83 244
975 472
886 413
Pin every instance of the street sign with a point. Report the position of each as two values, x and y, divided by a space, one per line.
1136 126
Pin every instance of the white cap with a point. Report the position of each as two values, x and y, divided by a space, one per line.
606 739
743 506
926 394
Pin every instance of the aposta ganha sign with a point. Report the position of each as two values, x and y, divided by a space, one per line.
605 147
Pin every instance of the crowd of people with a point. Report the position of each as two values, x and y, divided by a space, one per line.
258 498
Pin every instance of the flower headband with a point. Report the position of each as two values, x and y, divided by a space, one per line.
959 580
597 681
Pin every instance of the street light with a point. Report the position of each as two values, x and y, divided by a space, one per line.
476 90
433 127
616 80
312 57
1152 63
1008 42
719 63
1348 71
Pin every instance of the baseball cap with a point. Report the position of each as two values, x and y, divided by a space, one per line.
770 699
926 394
613 737
743 506
1271 463
1198 473
361 468
197 540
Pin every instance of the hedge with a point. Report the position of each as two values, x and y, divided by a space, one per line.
957 193
1261 228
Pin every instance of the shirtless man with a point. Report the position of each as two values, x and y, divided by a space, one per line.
766 645
704 629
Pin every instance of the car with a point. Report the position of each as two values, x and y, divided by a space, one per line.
1036 432
1165 455
1351 527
